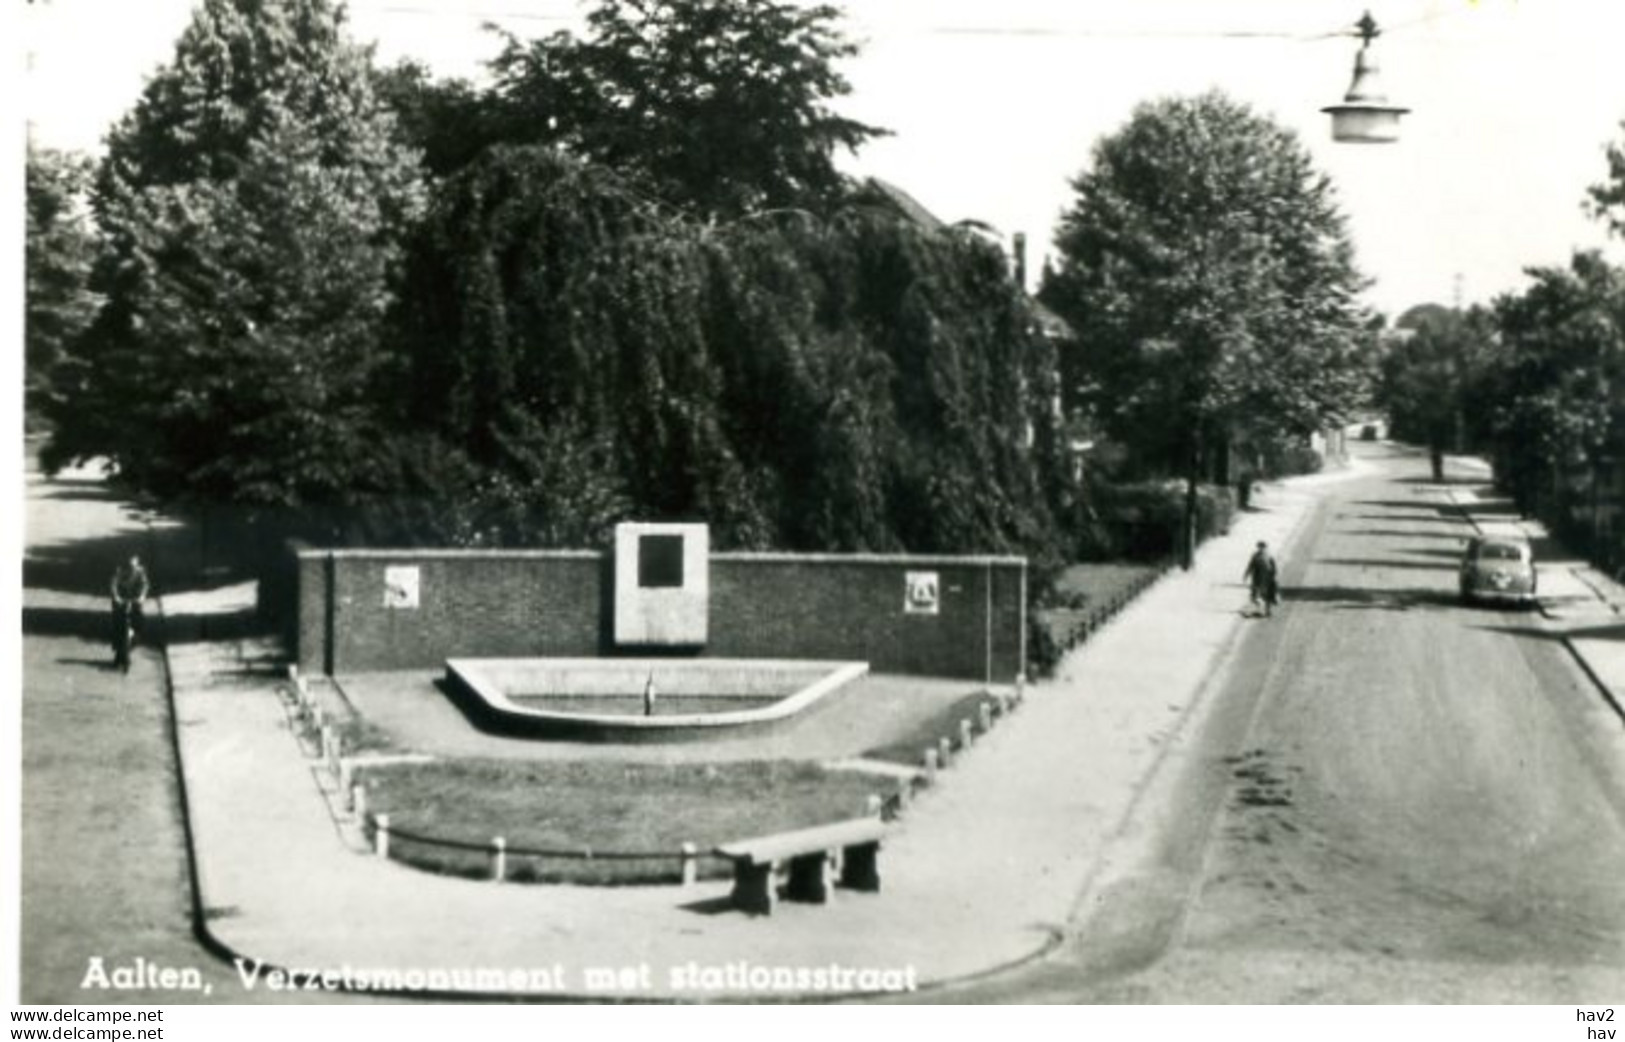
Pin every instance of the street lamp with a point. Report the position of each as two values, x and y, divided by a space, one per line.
1365 115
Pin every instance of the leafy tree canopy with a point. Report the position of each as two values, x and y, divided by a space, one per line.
60 250
1607 197
1434 377
851 383
721 107
1561 384
450 120
1211 279
252 203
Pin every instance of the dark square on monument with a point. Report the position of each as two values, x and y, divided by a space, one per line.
660 561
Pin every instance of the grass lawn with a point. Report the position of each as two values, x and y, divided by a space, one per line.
633 817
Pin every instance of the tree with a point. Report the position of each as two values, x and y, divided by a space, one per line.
1433 379
852 383
60 250
1210 278
717 106
253 204
1607 197
449 121
1561 383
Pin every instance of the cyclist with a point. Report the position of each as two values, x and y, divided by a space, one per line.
129 588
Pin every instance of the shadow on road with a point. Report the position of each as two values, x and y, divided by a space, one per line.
1366 598
1383 562
1438 518
1613 632
1426 479
95 624
1400 533
81 490
85 623
208 626
203 555
104 664
176 560
1450 553
1494 509
1429 513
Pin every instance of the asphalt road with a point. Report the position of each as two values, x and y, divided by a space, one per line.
1393 798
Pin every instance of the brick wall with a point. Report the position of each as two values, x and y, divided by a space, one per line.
851 607
476 604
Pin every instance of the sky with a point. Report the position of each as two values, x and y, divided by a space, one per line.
995 106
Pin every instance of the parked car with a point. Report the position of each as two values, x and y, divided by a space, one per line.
1498 568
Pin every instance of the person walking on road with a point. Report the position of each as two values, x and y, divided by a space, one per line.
1261 578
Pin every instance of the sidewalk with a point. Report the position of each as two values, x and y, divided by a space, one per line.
983 871
1581 604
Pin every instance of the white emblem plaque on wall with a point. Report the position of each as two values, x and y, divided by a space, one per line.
921 593
401 586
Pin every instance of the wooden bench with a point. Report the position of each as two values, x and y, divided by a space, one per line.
810 854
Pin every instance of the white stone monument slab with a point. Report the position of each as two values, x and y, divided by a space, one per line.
662 584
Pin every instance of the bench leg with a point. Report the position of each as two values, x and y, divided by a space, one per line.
809 878
753 887
860 867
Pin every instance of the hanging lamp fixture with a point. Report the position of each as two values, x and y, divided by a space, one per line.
1365 116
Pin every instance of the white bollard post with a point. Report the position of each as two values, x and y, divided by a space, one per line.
873 805
344 776
499 859
931 765
984 713
965 735
358 801
1021 687
945 751
691 864
380 838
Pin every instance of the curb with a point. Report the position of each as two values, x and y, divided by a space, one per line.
200 930
1595 678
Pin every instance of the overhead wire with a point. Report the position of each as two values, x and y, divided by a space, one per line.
1033 31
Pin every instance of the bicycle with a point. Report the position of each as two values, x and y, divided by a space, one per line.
124 634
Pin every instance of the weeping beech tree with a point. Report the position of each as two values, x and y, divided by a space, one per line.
850 383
